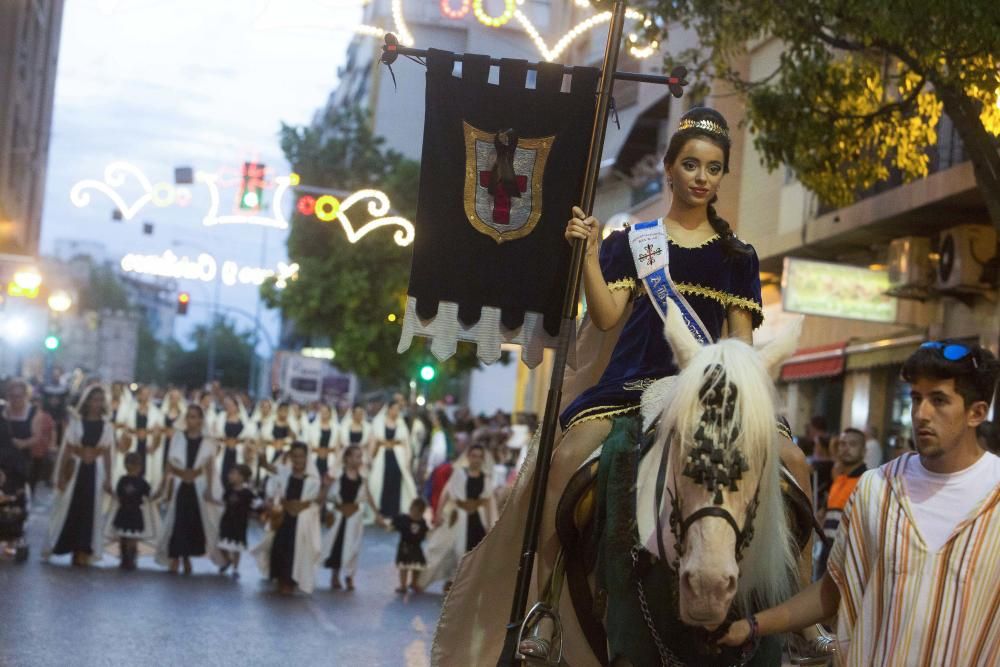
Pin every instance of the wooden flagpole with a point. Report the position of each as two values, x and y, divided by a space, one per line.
570 299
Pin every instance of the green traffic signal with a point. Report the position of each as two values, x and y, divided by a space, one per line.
427 373
250 200
51 343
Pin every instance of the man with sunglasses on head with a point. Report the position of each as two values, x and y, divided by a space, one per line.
913 573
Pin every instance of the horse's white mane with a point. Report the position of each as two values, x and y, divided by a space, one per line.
769 562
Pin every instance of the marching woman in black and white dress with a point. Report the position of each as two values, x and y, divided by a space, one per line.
140 433
391 481
233 432
191 525
276 440
468 509
83 474
342 544
324 439
291 547
355 430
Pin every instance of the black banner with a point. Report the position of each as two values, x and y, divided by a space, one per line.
502 166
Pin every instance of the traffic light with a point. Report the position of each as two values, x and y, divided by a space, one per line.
252 189
52 342
183 299
427 372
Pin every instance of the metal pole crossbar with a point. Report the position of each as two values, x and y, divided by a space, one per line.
676 80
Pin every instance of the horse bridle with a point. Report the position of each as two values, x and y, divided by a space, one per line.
713 463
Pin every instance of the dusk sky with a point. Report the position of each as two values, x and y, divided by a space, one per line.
200 83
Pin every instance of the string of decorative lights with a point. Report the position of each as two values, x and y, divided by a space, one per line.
327 207
455 14
493 21
276 16
576 31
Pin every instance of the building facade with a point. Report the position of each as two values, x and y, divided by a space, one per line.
29 48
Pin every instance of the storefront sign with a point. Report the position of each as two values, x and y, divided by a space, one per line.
836 290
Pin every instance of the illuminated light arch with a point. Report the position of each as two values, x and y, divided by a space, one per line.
282 14
576 31
326 207
493 21
114 177
277 221
455 14
377 207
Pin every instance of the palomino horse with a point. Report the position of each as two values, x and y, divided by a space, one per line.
668 541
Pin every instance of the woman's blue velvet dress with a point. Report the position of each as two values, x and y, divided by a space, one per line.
711 279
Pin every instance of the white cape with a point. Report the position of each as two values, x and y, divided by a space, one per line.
312 438
243 456
211 512
446 544
62 499
354 528
154 459
307 533
401 450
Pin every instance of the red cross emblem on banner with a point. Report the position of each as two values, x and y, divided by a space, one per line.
501 198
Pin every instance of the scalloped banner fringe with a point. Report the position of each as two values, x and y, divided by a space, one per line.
445 330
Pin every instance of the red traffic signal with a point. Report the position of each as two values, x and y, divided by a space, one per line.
183 299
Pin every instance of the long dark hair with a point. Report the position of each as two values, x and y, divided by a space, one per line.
731 244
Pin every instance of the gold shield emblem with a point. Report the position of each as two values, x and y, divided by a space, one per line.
503 182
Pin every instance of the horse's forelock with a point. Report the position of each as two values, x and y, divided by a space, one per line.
764 569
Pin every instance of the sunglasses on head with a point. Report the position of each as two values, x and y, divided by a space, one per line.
950 351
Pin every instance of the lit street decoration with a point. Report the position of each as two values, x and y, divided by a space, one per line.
276 220
116 174
493 21
325 207
206 269
452 13
298 14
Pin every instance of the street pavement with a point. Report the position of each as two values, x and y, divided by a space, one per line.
55 614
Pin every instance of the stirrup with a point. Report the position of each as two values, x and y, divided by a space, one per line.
534 648
817 651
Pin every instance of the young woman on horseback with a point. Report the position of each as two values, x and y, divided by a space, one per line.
715 277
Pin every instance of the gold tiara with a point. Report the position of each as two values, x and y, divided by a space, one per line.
709 126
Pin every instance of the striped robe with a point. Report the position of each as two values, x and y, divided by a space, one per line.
901 604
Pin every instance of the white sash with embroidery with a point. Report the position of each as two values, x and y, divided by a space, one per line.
650 252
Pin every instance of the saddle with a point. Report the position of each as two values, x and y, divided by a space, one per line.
576 526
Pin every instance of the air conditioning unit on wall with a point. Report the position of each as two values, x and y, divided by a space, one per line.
964 253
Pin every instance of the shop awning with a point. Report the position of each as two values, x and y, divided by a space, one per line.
886 352
815 362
